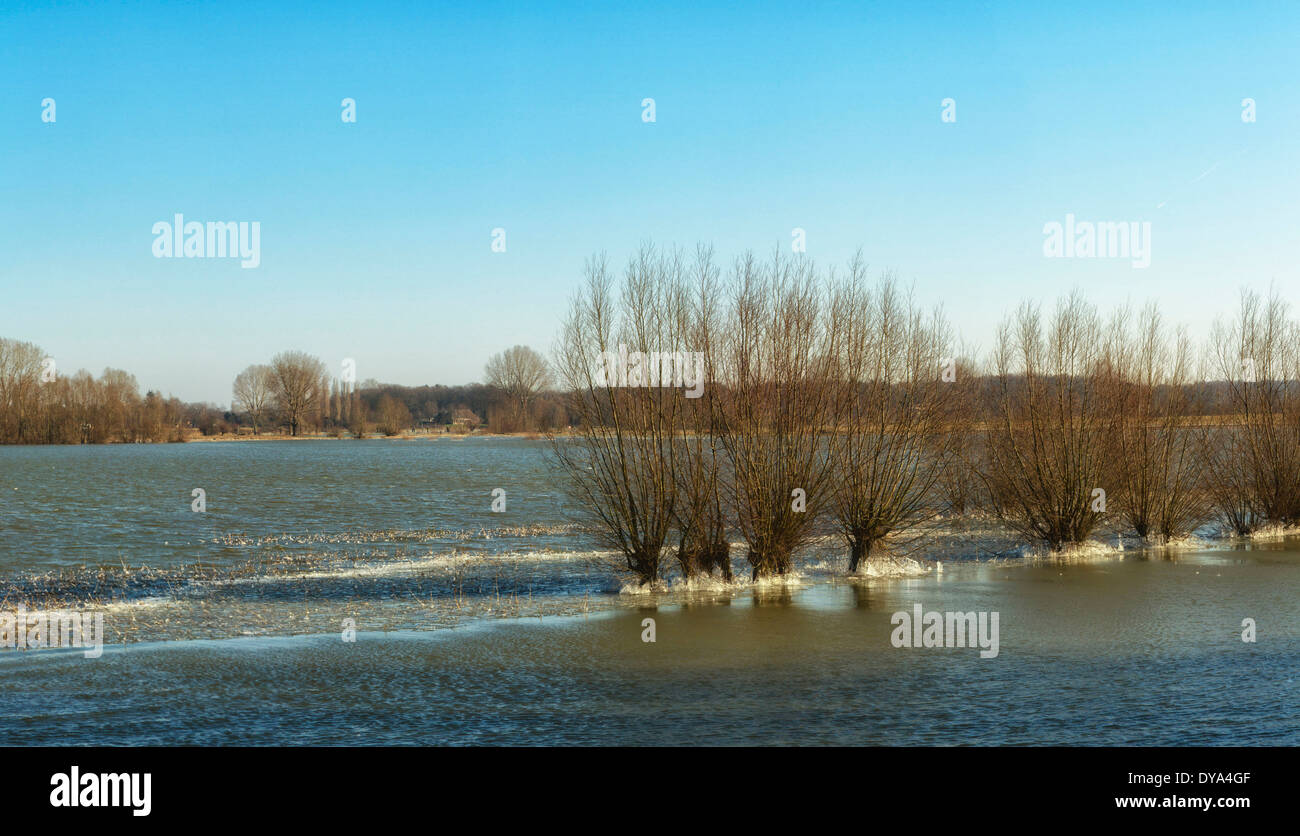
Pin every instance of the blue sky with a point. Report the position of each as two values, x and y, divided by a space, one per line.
375 236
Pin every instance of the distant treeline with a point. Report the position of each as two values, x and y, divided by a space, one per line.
291 395
471 406
294 393
40 406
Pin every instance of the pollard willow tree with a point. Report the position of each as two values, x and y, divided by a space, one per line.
895 413
620 460
1159 489
1047 439
957 488
1254 456
700 516
774 407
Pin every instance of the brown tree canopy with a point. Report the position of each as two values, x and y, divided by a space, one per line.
300 381
520 374
254 392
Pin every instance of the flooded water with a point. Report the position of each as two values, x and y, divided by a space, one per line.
64 506
391 534
479 627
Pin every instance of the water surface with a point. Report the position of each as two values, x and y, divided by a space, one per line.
477 627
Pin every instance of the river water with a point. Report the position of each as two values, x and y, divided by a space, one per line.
228 626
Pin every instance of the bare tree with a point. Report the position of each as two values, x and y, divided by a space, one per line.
1227 478
1159 489
621 462
1046 439
775 361
700 515
394 417
957 489
299 379
20 371
86 405
121 394
1256 456
520 374
894 413
358 417
254 392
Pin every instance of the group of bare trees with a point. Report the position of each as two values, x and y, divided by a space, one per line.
758 405
295 392
837 404
1091 423
40 406
774 403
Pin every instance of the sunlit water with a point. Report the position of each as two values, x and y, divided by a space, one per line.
477 627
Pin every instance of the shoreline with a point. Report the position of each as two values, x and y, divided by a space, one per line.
205 605
305 619
406 436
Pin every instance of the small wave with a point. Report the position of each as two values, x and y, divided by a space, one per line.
893 567
1275 531
1090 550
714 584
408 566
430 535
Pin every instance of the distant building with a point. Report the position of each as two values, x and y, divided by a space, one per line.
464 418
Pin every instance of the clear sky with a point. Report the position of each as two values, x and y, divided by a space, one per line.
376 236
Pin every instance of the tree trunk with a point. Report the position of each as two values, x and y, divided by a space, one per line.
859 548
